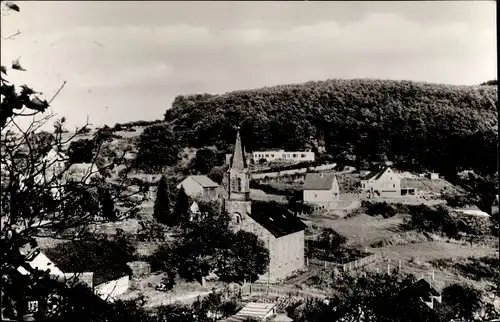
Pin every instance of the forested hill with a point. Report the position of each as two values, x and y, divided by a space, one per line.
417 125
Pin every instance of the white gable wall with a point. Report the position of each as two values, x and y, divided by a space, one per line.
110 290
191 187
42 262
388 185
323 197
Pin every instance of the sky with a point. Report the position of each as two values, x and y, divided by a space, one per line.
127 60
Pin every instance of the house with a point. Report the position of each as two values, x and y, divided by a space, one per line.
104 270
423 290
200 186
281 232
299 156
433 176
381 182
253 310
321 189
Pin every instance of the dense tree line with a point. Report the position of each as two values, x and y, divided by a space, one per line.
416 125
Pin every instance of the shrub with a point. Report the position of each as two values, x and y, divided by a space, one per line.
379 208
436 220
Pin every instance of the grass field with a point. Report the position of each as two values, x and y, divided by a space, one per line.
361 230
414 252
186 292
415 259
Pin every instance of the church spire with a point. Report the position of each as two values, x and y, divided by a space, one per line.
238 161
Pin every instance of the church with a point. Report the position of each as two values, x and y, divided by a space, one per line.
281 232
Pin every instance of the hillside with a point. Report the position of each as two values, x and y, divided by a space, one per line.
416 125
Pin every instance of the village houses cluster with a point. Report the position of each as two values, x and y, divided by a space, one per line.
283 234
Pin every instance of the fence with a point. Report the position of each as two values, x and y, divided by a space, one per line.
257 289
347 266
361 262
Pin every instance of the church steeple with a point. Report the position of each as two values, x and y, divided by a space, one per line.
238 161
239 178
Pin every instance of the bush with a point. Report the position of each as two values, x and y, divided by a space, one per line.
436 220
383 209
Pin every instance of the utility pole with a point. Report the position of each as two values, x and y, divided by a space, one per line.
269 268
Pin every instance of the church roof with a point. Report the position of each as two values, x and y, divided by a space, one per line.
205 181
275 218
238 161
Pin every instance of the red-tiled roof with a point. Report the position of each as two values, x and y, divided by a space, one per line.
319 181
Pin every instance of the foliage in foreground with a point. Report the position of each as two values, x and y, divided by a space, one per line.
382 297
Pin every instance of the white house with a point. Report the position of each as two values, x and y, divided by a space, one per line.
300 156
382 182
321 189
200 186
107 278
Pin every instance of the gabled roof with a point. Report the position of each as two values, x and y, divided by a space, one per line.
88 256
422 286
238 160
375 173
204 181
319 181
275 218
256 310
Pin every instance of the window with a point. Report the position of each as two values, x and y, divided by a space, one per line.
394 186
294 155
303 155
315 195
267 155
32 306
238 188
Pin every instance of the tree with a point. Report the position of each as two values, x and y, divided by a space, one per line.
37 196
81 151
416 125
107 204
118 127
205 160
217 174
245 258
162 211
462 302
157 148
181 207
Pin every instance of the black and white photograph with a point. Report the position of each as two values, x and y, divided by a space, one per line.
236 161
